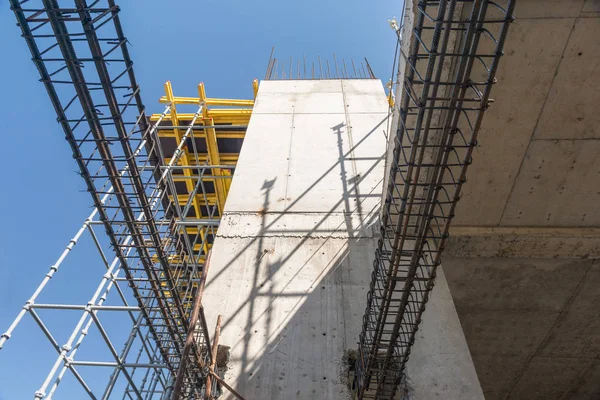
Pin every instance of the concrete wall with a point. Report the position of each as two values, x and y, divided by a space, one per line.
291 264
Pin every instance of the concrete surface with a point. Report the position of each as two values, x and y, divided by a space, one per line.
532 325
291 263
540 139
521 262
531 207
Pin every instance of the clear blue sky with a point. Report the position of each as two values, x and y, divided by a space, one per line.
224 43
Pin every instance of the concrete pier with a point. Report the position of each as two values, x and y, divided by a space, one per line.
292 260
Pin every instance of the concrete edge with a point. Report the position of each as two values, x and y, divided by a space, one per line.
520 242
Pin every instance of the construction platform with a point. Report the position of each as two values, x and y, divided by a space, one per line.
291 263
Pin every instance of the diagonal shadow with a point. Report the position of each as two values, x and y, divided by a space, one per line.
306 236
355 179
261 287
301 196
260 254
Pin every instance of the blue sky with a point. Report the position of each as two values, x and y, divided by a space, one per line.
223 43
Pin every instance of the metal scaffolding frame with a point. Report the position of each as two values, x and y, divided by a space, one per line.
448 69
160 247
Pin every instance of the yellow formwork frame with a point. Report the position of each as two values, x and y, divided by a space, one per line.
216 111
213 149
184 160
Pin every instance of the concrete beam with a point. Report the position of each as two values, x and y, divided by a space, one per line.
524 242
535 164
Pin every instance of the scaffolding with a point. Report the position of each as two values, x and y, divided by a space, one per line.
158 186
215 134
446 72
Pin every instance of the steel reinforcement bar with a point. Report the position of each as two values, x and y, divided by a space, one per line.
82 57
448 68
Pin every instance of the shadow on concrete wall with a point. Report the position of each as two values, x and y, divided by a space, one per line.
339 262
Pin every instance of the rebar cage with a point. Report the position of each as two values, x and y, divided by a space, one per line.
160 232
446 71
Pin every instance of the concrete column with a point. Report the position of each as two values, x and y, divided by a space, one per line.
292 260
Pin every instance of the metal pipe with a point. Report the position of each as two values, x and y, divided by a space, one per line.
115 364
225 385
190 334
86 307
213 361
